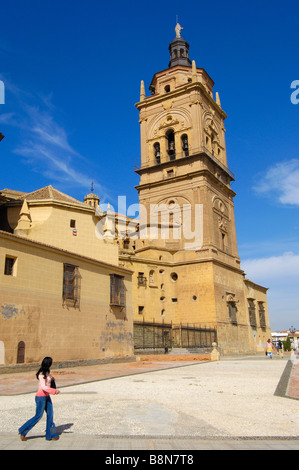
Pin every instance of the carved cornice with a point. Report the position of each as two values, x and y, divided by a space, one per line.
197 86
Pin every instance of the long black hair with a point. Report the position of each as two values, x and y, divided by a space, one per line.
45 367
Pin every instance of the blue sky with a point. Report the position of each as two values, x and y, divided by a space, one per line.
72 72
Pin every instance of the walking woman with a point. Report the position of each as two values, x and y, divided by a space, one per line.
43 403
269 348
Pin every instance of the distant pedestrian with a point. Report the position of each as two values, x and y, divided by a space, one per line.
269 348
43 402
280 349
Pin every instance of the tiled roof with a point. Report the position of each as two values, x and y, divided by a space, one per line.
50 193
12 194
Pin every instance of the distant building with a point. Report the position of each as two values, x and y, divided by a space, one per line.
276 337
284 335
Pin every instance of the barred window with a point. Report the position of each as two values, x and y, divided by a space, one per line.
141 279
126 244
71 284
117 290
9 266
232 310
252 314
262 314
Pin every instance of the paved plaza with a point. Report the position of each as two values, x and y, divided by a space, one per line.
236 403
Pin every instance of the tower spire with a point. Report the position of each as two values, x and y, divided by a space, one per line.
179 49
142 91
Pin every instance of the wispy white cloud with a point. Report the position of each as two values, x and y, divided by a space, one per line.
53 167
9 119
281 182
47 131
268 247
44 143
280 273
47 148
47 100
284 268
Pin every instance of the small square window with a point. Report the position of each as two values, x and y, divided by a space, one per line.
141 279
73 223
9 266
140 310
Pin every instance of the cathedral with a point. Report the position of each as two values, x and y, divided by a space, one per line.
79 283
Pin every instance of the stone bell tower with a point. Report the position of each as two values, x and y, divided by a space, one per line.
186 259
183 159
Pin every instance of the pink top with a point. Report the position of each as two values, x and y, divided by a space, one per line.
44 386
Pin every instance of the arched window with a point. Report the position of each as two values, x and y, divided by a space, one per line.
21 353
171 144
152 277
185 145
157 153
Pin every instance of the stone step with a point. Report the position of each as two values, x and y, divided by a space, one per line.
181 351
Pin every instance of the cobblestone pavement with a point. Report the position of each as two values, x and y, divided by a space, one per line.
234 404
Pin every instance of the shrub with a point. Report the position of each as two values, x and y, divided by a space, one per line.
287 345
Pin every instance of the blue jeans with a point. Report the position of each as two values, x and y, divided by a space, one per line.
42 404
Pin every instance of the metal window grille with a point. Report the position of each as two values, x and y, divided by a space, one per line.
71 285
262 315
252 314
9 266
232 310
117 291
153 335
141 279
